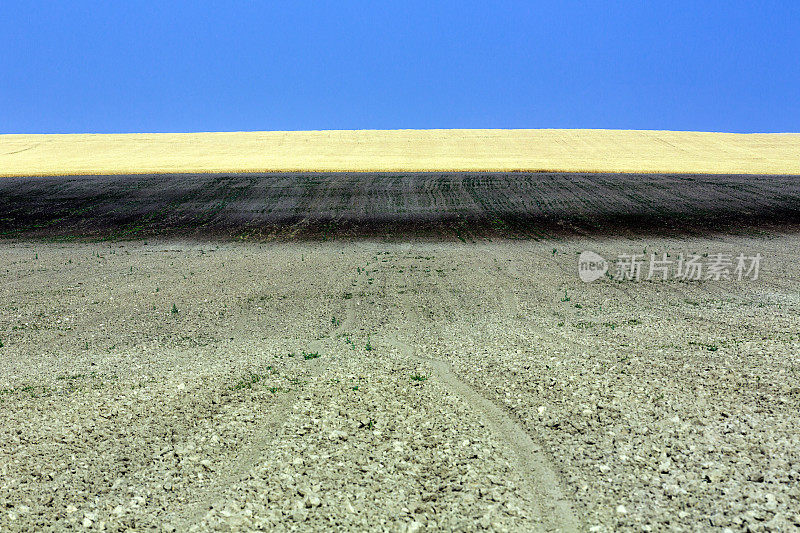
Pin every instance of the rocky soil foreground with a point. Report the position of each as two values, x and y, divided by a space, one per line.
426 386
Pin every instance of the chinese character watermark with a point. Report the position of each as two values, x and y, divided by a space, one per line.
690 267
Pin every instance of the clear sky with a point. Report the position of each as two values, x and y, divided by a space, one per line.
104 67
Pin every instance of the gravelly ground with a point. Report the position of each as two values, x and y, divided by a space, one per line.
174 385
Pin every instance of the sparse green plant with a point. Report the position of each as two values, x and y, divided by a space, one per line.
499 224
335 322
310 355
707 346
418 377
34 391
247 383
566 297
251 379
71 377
368 347
174 309
355 388
348 295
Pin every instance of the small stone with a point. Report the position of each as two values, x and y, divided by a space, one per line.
771 504
414 526
313 501
338 435
621 509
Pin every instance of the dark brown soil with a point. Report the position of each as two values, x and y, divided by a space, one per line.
448 206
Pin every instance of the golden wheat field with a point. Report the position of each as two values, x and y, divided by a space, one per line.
402 151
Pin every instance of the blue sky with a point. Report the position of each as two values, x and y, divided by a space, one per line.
104 67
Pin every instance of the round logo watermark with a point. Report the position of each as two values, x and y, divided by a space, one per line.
591 266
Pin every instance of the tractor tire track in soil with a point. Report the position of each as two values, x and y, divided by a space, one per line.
554 509
238 467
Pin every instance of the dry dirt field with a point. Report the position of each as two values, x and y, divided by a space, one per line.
396 386
175 356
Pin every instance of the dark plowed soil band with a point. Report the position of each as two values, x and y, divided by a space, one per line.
451 206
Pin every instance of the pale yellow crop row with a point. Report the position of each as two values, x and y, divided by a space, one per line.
401 150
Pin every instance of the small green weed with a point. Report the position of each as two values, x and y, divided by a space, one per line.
247 383
251 379
709 347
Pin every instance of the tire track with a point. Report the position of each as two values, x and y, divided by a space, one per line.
238 465
540 479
